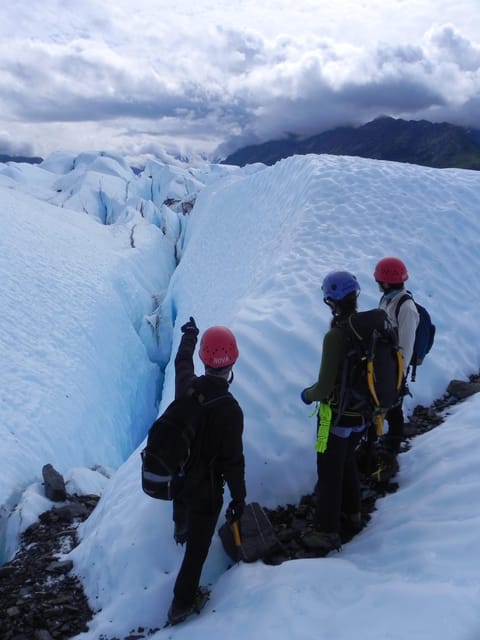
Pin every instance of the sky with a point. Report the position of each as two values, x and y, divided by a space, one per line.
196 80
98 275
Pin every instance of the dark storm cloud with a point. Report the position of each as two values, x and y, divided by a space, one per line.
11 147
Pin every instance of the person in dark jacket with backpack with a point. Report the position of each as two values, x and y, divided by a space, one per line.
216 458
338 484
390 275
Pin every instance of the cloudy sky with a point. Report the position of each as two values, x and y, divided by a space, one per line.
204 77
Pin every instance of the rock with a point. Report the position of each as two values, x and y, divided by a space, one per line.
461 390
5 571
42 634
54 484
61 566
39 598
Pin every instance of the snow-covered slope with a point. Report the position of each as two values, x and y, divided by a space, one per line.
91 312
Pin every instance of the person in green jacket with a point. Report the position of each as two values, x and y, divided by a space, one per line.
338 485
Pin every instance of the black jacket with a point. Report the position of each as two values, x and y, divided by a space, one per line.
217 453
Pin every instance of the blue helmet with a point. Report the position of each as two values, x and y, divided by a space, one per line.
337 285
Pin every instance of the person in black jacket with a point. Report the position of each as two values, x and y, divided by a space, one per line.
217 457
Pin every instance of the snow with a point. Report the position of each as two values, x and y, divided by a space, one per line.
100 267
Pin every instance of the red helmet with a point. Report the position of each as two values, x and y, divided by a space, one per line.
390 271
218 348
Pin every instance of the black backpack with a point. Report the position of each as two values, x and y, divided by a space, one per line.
171 437
372 372
424 335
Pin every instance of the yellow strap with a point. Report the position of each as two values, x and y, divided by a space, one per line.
371 383
400 369
378 420
324 422
376 475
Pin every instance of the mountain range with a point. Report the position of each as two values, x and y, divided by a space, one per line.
420 142
439 145
29 159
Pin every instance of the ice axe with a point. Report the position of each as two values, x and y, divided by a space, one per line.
237 539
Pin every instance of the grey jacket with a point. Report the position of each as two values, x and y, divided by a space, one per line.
408 320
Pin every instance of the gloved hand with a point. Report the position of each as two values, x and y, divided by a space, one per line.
304 398
190 327
234 511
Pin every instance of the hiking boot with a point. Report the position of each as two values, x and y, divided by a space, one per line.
321 541
201 597
352 522
179 612
387 466
180 532
391 444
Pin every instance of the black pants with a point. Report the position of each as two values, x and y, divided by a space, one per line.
201 527
395 426
180 512
338 485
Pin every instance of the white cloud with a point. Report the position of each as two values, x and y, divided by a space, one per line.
453 47
208 74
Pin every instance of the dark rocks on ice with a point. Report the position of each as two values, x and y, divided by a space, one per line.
41 599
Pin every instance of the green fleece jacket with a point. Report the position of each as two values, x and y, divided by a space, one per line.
333 353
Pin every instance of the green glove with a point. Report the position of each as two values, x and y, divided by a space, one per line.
324 422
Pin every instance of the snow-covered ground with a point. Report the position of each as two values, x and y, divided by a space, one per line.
99 269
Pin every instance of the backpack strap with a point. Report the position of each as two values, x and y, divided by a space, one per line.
406 296
353 341
203 405
208 403
353 330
